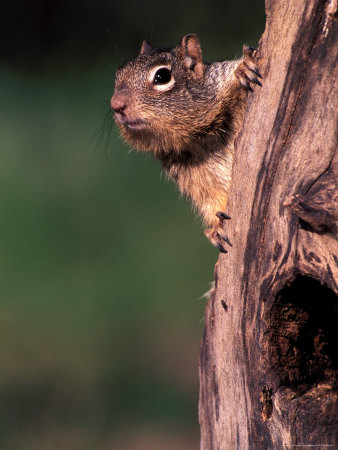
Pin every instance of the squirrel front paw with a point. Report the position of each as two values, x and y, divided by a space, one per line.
216 234
247 71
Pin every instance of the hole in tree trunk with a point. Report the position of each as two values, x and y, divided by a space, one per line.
304 335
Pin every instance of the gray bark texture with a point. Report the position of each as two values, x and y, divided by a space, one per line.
268 360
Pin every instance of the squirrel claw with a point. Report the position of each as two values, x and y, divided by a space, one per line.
226 239
221 248
222 216
247 71
216 234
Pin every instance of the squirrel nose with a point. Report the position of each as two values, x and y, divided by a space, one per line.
118 103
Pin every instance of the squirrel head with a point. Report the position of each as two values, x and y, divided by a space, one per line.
161 102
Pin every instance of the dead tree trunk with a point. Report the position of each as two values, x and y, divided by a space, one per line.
268 366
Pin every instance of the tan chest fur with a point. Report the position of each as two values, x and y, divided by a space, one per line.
205 180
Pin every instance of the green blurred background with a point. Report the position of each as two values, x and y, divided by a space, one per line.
102 264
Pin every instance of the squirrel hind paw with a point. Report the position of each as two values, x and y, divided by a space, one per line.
216 234
247 71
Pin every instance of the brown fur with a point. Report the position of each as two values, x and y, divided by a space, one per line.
190 127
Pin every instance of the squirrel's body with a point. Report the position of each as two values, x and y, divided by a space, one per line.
188 114
204 179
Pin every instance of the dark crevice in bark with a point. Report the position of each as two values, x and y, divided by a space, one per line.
303 335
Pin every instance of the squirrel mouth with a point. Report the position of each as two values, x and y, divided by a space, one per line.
137 124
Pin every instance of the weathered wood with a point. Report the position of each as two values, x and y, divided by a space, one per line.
268 367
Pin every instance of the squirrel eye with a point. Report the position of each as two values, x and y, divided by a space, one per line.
162 76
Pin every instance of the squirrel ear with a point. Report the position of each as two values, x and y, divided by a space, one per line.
192 54
146 48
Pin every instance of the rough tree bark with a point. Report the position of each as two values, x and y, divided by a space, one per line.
268 367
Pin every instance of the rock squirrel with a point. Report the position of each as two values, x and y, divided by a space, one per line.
188 113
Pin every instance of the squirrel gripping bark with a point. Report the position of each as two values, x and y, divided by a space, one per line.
188 113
